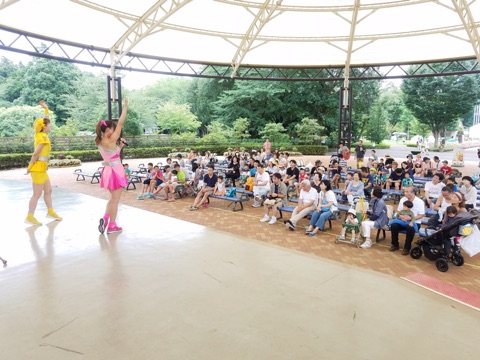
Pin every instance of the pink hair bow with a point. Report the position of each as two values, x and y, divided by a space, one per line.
103 122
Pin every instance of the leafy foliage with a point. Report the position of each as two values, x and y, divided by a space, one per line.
274 132
439 102
176 118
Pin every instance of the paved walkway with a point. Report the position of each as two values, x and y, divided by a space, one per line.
246 224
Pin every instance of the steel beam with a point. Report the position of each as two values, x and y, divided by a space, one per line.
351 38
6 3
51 48
462 8
263 16
152 18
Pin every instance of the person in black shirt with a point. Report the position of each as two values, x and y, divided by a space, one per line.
388 161
360 151
292 174
209 181
395 178
233 171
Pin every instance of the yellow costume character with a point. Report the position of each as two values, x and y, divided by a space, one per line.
38 169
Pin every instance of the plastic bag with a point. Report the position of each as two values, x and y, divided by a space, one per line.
362 207
471 243
231 193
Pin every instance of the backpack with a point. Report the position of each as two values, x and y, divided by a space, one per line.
249 184
231 193
346 154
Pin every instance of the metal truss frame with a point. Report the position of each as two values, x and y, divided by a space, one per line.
5 3
261 18
143 26
51 48
463 9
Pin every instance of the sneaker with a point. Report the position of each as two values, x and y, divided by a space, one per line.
102 225
53 215
353 240
312 234
273 220
341 237
256 205
140 197
32 221
258 198
265 218
206 204
113 228
290 225
367 244
307 232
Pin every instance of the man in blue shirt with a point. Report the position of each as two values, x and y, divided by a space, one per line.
368 181
209 181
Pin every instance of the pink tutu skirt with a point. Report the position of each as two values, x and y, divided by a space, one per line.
113 177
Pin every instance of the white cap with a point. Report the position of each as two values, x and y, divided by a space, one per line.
352 211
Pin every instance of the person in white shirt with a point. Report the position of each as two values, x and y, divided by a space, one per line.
419 212
469 191
433 189
327 204
307 202
261 185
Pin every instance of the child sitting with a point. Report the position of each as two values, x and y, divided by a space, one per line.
451 182
351 224
127 170
172 184
219 189
405 217
407 180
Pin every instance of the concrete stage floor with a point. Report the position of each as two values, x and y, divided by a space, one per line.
169 289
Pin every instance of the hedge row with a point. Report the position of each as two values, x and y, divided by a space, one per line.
8 161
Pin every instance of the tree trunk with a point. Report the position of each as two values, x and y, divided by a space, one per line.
436 135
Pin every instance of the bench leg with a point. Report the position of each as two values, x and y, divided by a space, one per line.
378 239
78 177
95 178
133 184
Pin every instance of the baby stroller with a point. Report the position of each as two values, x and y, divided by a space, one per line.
443 245
348 230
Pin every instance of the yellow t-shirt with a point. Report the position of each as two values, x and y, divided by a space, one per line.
42 138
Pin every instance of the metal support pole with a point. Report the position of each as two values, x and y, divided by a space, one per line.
114 95
345 117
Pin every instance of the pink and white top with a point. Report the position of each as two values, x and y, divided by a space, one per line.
113 174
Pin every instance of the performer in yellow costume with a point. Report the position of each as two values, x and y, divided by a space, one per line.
37 168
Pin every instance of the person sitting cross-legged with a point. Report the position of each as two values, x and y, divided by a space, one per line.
377 217
261 185
327 204
307 203
277 196
209 181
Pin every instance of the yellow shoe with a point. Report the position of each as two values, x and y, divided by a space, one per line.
53 215
32 221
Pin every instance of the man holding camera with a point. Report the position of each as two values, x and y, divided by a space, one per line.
277 196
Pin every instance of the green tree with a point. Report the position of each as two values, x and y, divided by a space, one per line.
51 81
71 128
309 129
440 101
365 93
274 132
376 129
240 129
18 120
176 118
88 103
132 124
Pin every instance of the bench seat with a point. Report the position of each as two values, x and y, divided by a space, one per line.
233 200
289 209
82 174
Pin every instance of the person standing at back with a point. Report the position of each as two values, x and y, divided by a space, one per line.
360 151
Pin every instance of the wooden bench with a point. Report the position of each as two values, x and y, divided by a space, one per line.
95 175
233 200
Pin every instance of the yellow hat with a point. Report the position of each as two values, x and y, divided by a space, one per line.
38 125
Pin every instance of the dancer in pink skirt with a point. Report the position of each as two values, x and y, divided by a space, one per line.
113 175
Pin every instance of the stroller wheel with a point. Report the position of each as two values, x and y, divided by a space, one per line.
458 260
416 253
442 265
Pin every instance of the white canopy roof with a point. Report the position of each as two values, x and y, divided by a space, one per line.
260 32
